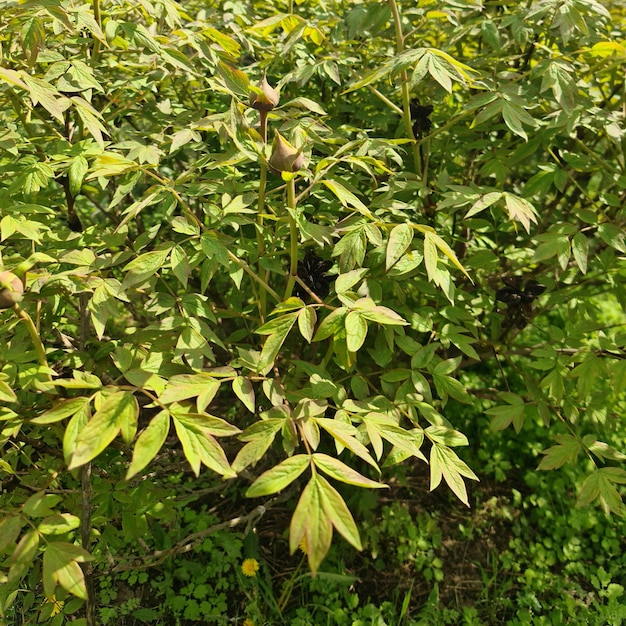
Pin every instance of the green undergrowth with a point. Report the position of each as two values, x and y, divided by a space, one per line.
521 555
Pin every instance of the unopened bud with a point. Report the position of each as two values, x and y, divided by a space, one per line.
284 157
267 99
11 289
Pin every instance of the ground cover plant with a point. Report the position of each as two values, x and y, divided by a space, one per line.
271 273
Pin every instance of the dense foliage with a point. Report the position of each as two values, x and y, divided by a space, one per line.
295 252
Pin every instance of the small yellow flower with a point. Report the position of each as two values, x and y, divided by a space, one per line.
248 621
58 606
250 567
302 545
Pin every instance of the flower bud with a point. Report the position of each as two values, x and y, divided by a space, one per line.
284 157
267 99
11 289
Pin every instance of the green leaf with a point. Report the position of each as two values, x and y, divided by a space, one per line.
12 77
376 313
144 266
203 421
307 319
180 265
342 472
344 435
215 249
512 116
311 523
278 477
184 386
580 250
444 462
60 565
236 80
447 436
345 282
430 255
110 164
91 119
260 437
613 236
200 446
6 393
504 415
44 94
483 203
599 485
298 525
278 324
431 237
116 412
520 210
245 392
58 524
347 198
565 452
40 504
306 103
400 239
274 342
149 443
22 557
356 330
438 70
76 424
61 410
10 528
77 171
387 429
338 513
331 324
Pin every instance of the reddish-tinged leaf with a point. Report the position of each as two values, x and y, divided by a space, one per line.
342 472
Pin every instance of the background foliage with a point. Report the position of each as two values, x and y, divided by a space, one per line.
447 261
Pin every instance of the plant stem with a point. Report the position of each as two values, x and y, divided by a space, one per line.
254 276
85 478
96 43
259 235
293 236
34 337
85 533
406 96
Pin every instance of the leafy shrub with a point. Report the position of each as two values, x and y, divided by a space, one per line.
301 289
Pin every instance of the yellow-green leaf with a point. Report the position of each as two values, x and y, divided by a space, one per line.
356 330
58 524
116 412
278 477
244 391
60 565
183 386
400 239
200 447
306 322
340 471
149 443
6 393
338 513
